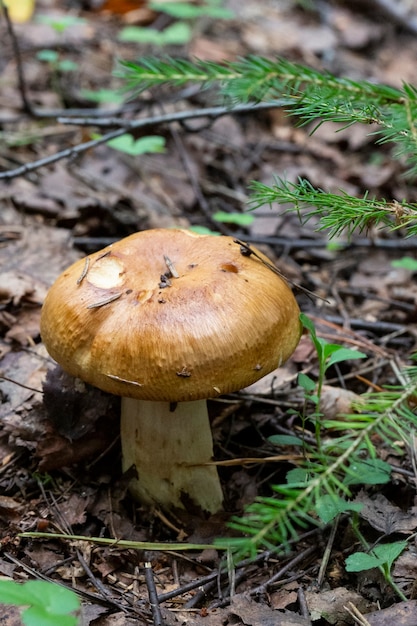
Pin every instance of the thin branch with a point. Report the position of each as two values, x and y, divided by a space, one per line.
153 595
27 107
179 116
123 125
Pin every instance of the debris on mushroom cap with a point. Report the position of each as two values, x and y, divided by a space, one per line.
170 315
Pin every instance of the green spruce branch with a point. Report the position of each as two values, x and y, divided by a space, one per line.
342 464
311 95
336 213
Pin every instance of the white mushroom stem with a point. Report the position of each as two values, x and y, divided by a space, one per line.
169 446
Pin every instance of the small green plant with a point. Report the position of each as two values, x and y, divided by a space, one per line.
239 219
180 32
52 57
407 263
188 11
44 603
177 34
62 23
102 96
127 144
328 354
381 556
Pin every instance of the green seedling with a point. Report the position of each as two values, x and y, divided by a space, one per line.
328 354
187 10
407 263
62 23
43 603
102 96
52 57
239 219
127 144
177 34
382 557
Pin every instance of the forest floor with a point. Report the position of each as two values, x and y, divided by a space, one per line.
60 460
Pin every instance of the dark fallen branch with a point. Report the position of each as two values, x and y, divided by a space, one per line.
123 126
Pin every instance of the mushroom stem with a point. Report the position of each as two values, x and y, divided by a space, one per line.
169 447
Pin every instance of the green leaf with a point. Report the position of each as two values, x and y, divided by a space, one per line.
49 56
128 145
37 616
60 24
308 324
49 604
344 354
102 96
203 230
306 382
285 440
240 219
15 593
186 10
368 472
55 598
297 476
389 552
330 505
66 65
360 561
383 554
407 262
329 348
176 34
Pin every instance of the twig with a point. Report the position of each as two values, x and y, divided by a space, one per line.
303 605
360 324
327 552
212 113
178 116
27 107
16 382
261 589
153 596
248 251
208 581
356 615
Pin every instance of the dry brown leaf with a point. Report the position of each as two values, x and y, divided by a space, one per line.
331 604
254 613
400 614
386 517
335 401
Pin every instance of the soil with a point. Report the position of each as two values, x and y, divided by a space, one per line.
60 467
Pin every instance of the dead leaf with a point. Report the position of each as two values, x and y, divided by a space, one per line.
335 401
331 604
400 614
386 517
11 616
254 613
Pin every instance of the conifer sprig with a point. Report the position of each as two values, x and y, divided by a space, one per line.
271 522
312 95
336 213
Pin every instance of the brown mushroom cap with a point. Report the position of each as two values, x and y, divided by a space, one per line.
117 321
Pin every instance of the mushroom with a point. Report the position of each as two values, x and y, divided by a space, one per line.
166 319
